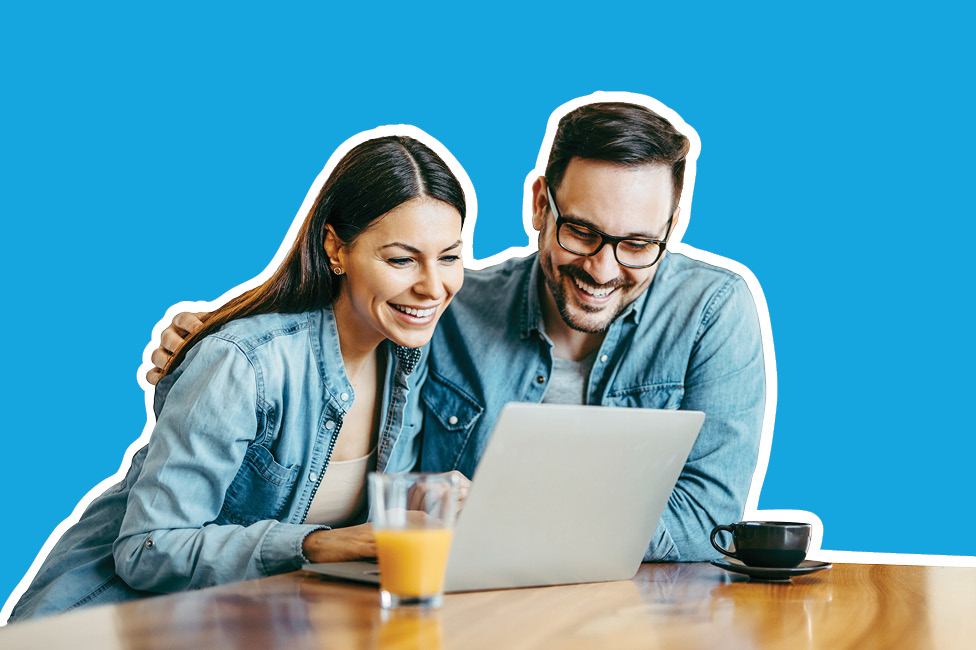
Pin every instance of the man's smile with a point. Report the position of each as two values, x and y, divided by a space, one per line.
596 292
591 294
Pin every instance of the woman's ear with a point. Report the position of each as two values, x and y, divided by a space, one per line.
333 247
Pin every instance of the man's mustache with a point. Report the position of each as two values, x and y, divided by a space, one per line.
577 273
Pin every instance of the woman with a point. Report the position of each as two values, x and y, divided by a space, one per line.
246 473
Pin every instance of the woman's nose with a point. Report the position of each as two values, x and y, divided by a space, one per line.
430 284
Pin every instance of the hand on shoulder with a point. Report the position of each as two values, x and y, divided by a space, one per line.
184 324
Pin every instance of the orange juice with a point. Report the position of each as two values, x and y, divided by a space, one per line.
413 560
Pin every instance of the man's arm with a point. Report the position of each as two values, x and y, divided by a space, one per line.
184 324
726 380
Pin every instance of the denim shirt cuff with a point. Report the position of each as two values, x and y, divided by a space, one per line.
662 547
281 549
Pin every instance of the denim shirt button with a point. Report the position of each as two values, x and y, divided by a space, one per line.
344 396
452 420
150 543
312 476
540 379
330 425
603 358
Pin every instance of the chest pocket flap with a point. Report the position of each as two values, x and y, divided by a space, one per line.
654 396
455 411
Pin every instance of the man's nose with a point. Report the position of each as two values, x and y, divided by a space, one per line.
603 266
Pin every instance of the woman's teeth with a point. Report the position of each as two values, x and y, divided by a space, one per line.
418 313
596 293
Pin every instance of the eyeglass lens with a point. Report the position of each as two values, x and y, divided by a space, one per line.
630 252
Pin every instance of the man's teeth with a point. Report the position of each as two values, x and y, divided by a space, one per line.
419 313
596 293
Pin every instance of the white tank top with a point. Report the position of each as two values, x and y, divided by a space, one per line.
342 494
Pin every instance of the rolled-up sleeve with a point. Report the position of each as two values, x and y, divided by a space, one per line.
168 541
726 380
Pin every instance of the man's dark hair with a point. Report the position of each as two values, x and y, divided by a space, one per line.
619 133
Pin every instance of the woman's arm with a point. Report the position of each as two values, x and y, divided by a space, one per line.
168 541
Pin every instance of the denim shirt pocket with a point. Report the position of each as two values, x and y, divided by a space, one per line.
650 396
260 490
449 419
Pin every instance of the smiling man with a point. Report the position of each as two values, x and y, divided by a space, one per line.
603 314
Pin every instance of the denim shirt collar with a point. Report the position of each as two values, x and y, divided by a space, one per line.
530 318
662 277
328 354
531 301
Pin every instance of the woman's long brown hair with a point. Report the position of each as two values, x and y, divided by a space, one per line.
372 179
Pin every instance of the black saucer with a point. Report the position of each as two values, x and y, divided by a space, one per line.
770 574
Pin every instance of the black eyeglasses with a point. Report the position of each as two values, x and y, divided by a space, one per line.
632 252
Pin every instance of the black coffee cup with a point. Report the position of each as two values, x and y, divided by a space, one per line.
779 544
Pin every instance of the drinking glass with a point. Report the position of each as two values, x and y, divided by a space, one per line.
413 519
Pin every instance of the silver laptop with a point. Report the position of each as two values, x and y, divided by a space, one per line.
563 494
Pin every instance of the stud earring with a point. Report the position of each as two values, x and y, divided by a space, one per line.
337 270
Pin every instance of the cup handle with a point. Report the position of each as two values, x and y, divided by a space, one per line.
723 551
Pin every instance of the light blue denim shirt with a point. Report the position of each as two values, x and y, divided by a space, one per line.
244 431
691 341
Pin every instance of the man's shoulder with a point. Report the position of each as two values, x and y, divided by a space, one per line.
689 276
499 283
511 270
684 268
697 287
690 286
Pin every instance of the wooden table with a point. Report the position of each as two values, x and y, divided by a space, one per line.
664 606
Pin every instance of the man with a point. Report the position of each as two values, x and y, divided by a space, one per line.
602 314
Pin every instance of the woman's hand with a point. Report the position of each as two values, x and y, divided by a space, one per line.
184 324
340 544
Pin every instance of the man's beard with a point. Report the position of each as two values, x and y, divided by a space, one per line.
560 295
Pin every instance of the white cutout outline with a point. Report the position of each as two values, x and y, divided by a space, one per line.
675 244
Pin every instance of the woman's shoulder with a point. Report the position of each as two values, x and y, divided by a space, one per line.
253 332
253 342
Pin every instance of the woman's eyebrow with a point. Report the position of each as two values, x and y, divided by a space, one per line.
416 251
401 245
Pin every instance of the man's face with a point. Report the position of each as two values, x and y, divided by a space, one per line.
589 292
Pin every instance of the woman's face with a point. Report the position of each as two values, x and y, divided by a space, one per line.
400 274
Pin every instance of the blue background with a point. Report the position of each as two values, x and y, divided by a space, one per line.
158 154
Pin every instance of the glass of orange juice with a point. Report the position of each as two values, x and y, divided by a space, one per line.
413 519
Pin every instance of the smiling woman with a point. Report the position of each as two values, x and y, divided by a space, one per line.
246 473
408 267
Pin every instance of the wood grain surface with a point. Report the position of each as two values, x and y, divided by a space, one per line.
664 606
